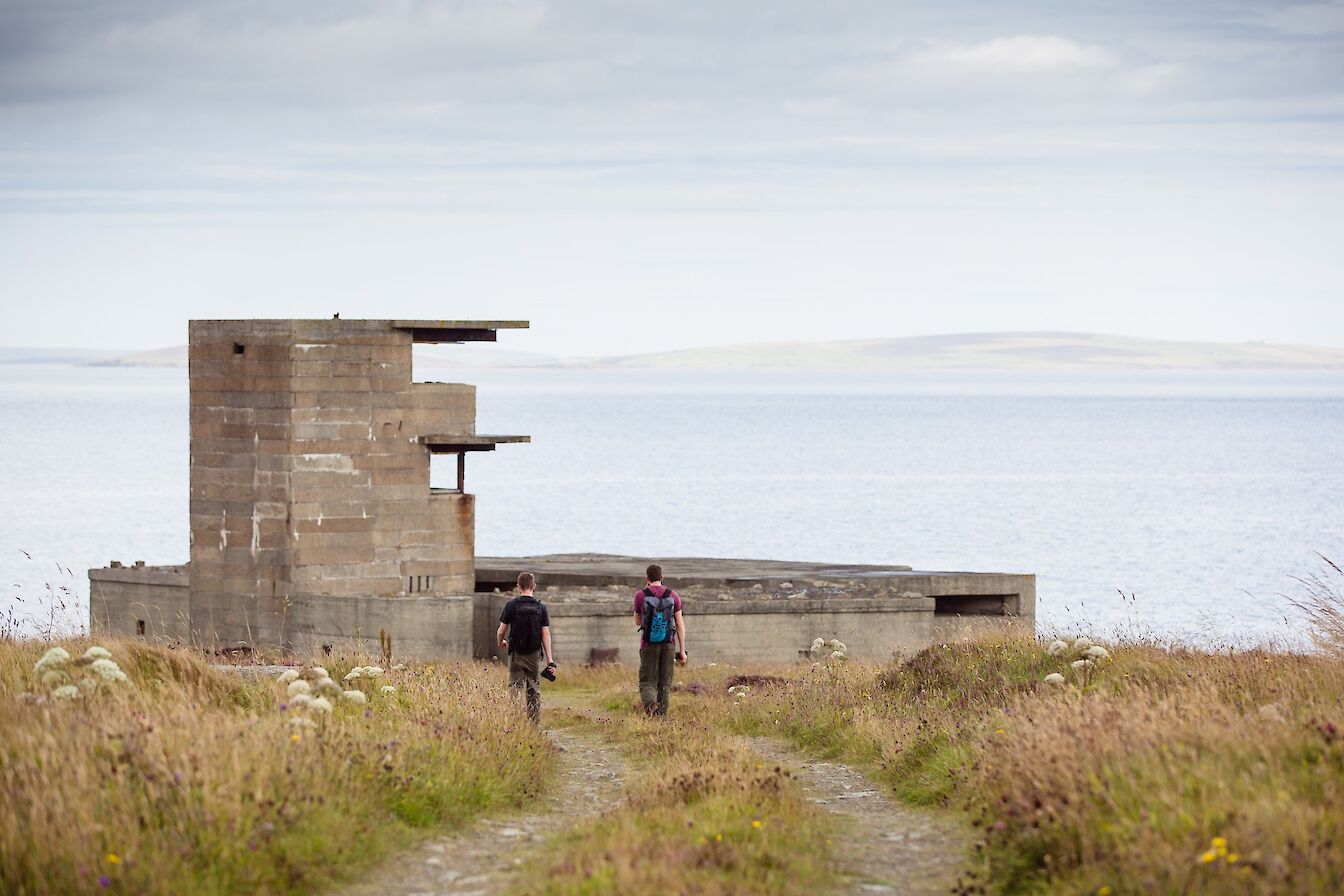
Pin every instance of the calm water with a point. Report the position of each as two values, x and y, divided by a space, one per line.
1203 495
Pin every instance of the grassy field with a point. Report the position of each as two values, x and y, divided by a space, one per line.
1154 771
184 779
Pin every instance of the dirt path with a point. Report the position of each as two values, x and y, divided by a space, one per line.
882 847
886 847
479 860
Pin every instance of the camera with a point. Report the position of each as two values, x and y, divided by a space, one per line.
549 672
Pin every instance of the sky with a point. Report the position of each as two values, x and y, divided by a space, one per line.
637 176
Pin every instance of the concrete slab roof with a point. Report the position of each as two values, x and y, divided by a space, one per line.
460 324
451 443
565 569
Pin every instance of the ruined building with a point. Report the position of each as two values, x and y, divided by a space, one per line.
314 522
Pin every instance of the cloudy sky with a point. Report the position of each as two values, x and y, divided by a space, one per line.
636 175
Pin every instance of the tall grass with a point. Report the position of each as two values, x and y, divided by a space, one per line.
1171 771
190 780
1322 602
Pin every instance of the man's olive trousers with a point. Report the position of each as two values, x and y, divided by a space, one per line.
655 676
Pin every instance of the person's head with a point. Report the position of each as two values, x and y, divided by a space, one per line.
527 583
654 573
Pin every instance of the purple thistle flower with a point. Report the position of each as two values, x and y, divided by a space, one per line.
104 881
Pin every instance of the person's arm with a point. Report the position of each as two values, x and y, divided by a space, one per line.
546 644
501 636
639 614
681 635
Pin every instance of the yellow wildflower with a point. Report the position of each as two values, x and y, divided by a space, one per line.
295 738
718 838
1232 858
756 824
1208 857
113 859
1219 843
1103 891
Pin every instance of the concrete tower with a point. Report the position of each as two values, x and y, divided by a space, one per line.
312 513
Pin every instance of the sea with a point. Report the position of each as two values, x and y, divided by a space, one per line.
1179 506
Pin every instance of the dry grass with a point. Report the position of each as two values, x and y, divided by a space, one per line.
188 779
1123 785
701 814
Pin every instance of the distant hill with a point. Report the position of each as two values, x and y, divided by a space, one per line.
433 356
11 355
999 351
962 351
174 356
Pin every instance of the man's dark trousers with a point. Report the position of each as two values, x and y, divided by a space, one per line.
655 676
523 671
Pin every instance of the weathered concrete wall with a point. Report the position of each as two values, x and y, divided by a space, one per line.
308 477
729 626
421 627
752 625
148 601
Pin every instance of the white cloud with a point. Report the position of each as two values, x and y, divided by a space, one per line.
1026 53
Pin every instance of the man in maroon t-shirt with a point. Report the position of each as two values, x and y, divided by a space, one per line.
656 659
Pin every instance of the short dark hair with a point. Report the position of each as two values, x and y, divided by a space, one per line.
526 580
654 573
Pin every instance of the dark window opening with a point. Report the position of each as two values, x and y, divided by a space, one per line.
239 348
976 605
419 584
139 626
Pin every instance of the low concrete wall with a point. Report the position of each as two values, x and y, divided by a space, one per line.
140 600
153 602
876 618
421 628
750 625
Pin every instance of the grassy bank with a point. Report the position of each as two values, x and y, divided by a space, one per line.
701 815
1155 771
186 779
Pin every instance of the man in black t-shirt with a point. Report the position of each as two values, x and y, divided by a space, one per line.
525 632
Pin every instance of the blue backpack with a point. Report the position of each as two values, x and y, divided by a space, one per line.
658 616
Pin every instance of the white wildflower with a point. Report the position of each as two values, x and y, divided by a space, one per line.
1098 653
355 697
97 653
817 644
88 684
288 675
353 674
328 688
1057 647
838 655
56 656
1082 644
65 692
107 670
319 672
321 704
301 722
53 678
299 686
399 667
387 689
371 671
1082 665
300 701
836 644
1054 678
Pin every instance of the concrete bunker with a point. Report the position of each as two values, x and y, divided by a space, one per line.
329 503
